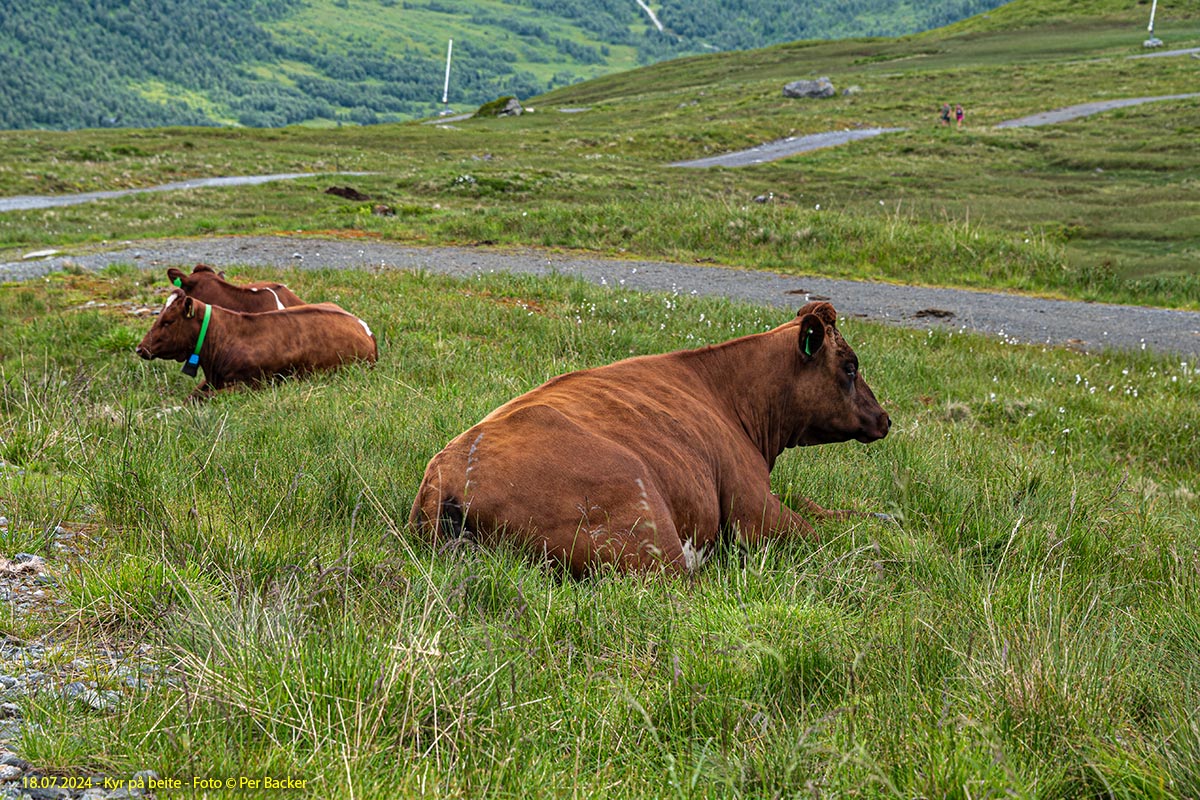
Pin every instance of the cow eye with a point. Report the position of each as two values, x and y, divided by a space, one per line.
851 370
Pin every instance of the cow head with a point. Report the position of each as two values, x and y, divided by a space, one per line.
833 400
174 333
188 282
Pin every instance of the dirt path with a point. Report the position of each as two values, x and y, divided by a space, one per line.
35 201
1015 318
1086 109
782 148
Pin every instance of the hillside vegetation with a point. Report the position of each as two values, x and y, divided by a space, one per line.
68 64
233 592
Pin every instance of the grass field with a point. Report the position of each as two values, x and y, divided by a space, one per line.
1025 626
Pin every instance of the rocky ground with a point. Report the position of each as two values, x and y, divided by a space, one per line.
47 670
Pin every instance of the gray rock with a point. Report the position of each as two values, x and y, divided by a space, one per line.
9 711
54 793
14 760
143 776
99 701
821 87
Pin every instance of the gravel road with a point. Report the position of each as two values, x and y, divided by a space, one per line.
794 145
782 148
35 201
1015 318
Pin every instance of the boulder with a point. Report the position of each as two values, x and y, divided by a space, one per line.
821 87
501 107
511 109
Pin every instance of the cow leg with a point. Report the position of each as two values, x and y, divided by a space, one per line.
766 518
202 392
634 533
583 511
841 513
825 513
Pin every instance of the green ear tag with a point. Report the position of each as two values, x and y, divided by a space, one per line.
178 282
808 342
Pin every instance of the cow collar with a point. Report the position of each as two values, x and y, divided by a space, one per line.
193 361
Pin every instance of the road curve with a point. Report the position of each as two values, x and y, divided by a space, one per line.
794 145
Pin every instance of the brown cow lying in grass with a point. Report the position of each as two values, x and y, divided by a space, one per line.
232 347
207 285
652 461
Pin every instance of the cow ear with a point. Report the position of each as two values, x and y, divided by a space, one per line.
175 276
189 307
812 334
202 268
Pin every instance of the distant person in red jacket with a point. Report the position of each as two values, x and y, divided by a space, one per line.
958 114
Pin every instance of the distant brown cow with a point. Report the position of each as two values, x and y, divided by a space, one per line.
209 286
652 461
232 347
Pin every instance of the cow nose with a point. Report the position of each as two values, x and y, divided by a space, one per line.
144 353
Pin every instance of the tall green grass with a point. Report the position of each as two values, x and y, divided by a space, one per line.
1025 625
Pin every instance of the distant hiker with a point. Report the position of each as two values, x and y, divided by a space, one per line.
945 113
958 114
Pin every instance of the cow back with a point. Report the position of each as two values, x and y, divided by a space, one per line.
209 286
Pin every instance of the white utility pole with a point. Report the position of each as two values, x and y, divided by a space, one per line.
1153 41
446 88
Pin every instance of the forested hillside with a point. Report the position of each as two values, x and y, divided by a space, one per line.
94 63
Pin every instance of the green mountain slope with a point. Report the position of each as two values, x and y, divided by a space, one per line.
95 63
